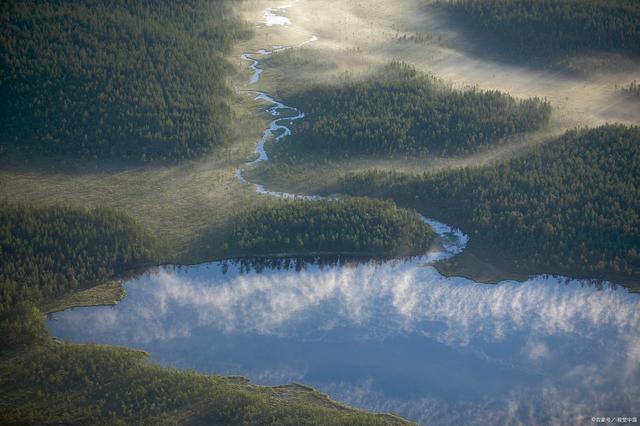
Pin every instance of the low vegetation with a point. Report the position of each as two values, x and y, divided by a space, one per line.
357 226
108 293
403 111
119 79
176 203
572 206
548 28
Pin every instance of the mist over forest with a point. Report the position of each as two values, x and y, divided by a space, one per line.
319 211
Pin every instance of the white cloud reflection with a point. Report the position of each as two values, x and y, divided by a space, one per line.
583 340
393 297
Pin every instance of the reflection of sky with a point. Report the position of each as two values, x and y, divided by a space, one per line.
393 337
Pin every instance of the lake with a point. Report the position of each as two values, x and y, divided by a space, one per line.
388 336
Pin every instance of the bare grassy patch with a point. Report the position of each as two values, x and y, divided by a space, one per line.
177 203
109 293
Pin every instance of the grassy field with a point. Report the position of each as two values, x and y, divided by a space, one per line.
185 205
109 293
357 37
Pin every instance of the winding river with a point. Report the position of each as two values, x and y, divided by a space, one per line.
393 336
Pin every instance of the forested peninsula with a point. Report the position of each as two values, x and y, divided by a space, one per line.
400 110
570 206
551 28
116 79
356 226
50 251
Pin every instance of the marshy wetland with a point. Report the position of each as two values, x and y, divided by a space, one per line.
390 335
319 212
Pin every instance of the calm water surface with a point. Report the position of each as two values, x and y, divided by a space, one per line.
392 336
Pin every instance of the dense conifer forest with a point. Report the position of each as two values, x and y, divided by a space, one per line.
49 251
147 80
552 27
142 80
571 206
357 226
403 111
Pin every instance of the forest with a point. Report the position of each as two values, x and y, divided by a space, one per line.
547 28
49 251
356 226
403 111
138 80
632 91
52 250
101 385
572 206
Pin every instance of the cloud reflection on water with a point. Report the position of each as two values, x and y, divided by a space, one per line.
366 294
576 343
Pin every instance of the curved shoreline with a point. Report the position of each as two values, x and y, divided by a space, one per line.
453 241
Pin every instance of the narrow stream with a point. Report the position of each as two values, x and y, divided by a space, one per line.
453 240
390 336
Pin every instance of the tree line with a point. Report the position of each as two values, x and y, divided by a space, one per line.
552 27
402 111
570 206
358 226
48 251
59 383
632 91
142 80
